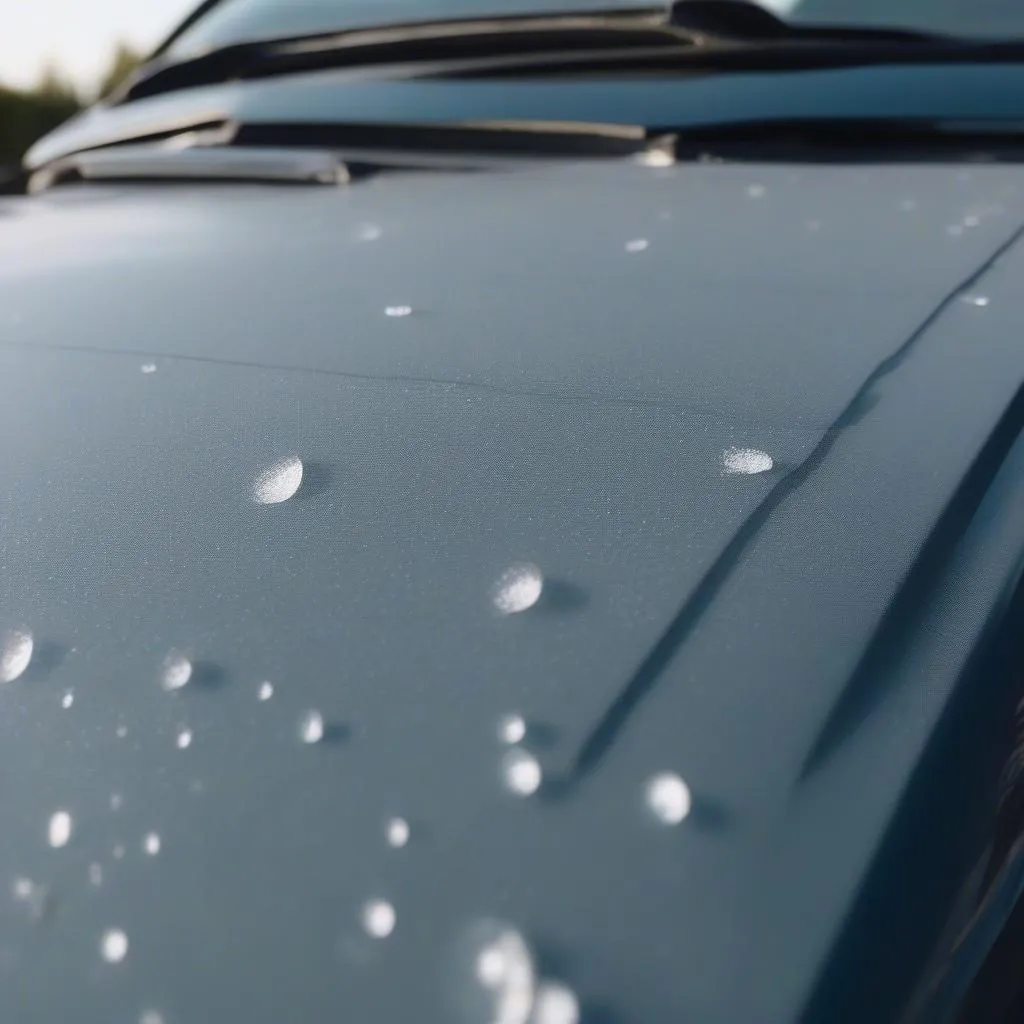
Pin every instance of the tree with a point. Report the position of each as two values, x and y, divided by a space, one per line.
123 62
25 116
55 89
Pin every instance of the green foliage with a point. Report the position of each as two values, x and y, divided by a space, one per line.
122 64
53 87
25 116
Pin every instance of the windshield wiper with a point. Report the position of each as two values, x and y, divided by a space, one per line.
691 29
842 140
692 35
743 21
740 36
442 41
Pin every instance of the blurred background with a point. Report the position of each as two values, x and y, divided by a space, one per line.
57 56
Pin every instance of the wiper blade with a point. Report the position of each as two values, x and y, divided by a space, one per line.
694 28
737 36
743 21
786 55
442 41
840 139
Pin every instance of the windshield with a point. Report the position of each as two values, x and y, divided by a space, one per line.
233 21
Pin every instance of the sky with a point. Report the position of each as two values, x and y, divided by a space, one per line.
78 35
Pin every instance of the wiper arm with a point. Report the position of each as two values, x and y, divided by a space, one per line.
737 36
843 140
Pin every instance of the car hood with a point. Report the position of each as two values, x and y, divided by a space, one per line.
731 413
229 24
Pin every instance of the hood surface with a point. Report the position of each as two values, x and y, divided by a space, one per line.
723 410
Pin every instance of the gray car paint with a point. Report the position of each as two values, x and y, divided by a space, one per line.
553 398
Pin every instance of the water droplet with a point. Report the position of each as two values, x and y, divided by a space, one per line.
518 588
747 461
184 739
279 482
266 691
15 654
379 919
502 988
555 1004
637 245
32 896
398 311
756 191
523 773
976 300
114 946
668 798
116 801
955 230
971 221
59 830
119 851
398 833
151 844
149 368
311 727
121 731
151 1017
23 888
177 671
95 874
369 232
68 699
512 729
660 153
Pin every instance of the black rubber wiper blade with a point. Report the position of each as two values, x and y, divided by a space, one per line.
442 41
691 35
843 140
737 36
734 58
743 21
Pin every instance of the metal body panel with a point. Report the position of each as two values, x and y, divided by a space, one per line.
790 642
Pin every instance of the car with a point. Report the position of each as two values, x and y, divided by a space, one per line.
512 512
